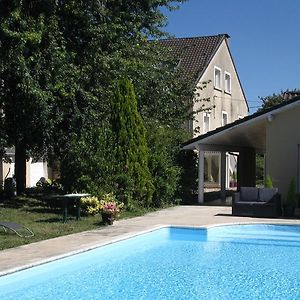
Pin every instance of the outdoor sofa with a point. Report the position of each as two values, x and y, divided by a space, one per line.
257 202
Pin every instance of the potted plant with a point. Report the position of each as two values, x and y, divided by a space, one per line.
269 182
107 205
109 208
290 201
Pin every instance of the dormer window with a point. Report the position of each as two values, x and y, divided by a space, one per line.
227 83
217 78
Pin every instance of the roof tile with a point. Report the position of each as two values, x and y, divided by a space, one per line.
194 53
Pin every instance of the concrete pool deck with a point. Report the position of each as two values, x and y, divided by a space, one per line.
196 216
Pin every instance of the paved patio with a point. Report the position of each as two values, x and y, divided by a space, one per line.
35 253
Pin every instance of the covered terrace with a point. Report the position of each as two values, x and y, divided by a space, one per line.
245 137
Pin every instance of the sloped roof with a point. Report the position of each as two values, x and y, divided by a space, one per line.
194 53
244 132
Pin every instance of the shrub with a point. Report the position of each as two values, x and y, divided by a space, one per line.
90 205
164 163
291 196
49 186
88 164
107 203
187 186
268 182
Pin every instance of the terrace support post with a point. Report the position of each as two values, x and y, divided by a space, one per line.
200 175
223 176
246 168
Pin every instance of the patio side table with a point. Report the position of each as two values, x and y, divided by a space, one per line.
72 197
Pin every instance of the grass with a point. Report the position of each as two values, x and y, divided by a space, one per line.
45 221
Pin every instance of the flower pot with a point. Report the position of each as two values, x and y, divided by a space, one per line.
107 218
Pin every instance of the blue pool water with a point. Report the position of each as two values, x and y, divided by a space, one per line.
226 262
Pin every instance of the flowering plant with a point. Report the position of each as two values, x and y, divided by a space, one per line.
90 205
109 204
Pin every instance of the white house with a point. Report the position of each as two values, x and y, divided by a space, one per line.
208 59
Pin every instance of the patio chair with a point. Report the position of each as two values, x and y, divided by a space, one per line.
17 229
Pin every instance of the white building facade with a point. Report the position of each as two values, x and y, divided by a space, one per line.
219 99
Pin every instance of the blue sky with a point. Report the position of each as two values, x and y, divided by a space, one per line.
265 40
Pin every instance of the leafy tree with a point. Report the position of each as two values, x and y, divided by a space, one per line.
3 138
272 100
88 165
31 55
163 94
60 60
173 170
164 144
277 98
131 150
116 46
260 169
109 40
187 185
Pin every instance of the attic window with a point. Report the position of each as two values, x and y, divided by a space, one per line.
227 82
217 78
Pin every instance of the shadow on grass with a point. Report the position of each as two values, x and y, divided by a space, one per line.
8 234
21 202
14 203
50 220
45 210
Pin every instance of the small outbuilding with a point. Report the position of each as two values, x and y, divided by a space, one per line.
274 132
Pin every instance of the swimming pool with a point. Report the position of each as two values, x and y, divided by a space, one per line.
224 262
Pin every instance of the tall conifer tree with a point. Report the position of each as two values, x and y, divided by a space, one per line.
131 150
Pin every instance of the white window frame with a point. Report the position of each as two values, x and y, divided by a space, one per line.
226 114
225 82
206 114
218 87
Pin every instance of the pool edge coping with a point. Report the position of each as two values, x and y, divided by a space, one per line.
128 236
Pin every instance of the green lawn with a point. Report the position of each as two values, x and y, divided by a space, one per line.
44 221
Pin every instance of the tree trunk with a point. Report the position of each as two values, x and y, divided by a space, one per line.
20 168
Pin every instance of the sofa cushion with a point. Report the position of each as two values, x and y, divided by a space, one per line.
249 194
266 194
